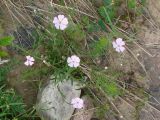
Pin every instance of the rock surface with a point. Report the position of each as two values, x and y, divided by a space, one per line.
54 100
24 39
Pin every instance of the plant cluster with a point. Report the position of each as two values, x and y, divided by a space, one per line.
67 49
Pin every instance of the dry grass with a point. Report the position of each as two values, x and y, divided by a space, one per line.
21 13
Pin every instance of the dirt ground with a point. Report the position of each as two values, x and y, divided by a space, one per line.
144 61
148 57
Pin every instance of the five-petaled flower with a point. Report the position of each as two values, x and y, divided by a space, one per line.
73 61
119 45
60 22
29 61
77 103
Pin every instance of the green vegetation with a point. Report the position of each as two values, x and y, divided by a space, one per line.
11 104
87 36
4 42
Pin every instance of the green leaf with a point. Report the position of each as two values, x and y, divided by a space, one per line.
105 82
3 114
143 2
112 89
85 20
93 27
99 47
107 12
102 25
107 2
75 32
6 40
3 54
131 4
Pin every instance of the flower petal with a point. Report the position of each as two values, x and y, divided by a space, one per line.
118 50
75 58
60 17
26 63
55 20
57 25
62 26
80 105
71 64
31 63
69 60
28 57
76 64
75 106
65 21
114 44
31 59
120 42
122 48
77 103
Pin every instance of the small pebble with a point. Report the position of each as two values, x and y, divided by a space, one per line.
138 54
35 11
121 116
105 67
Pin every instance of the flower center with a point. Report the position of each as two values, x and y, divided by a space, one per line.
60 21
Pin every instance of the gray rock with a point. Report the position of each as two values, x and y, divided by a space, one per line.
54 100
23 39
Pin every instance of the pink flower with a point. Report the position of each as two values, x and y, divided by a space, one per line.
119 45
77 103
29 61
60 22
73 61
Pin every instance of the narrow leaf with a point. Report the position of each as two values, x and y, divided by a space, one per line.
3 54
6 40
